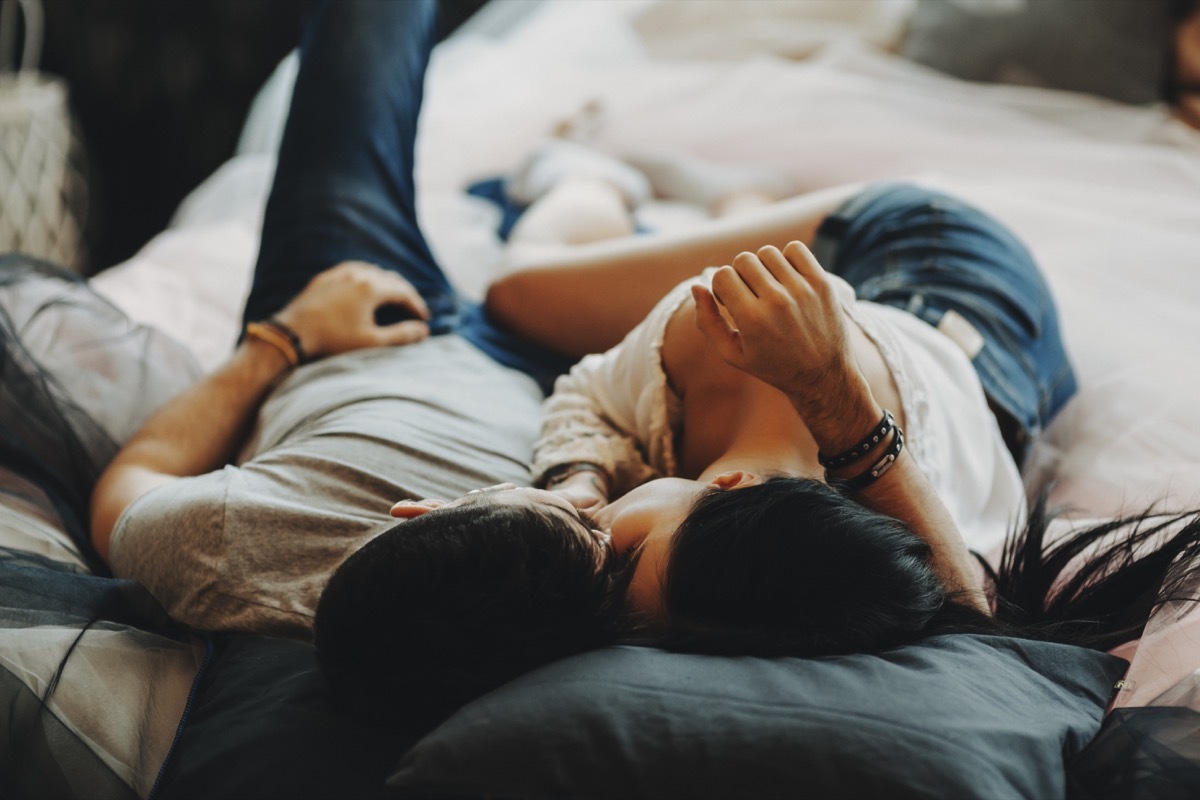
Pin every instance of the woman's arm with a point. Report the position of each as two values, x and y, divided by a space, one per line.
592 418
585 298
782 303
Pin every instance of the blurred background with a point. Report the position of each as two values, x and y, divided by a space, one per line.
160 89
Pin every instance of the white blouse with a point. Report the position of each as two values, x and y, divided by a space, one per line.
617 410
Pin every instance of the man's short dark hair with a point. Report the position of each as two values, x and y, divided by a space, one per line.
445 607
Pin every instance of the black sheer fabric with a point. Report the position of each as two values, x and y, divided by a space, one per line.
72 645
77 377
1150 753
93 675
89 708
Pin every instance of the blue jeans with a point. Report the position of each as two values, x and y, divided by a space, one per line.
930 254
344 187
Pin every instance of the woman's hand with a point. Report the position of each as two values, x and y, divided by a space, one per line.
336 311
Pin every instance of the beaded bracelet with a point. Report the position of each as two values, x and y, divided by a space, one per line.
292 336
875 471
876 435
280 336
275 338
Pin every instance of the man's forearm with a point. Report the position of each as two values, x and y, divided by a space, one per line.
197 432
201 429
902 491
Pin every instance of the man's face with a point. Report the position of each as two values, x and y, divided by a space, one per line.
511 494
641 524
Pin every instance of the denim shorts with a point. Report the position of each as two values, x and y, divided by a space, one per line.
964 273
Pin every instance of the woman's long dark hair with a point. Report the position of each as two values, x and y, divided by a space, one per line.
791 567
1097 586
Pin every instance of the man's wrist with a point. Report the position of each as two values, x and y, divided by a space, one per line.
839 417
262 362
841 431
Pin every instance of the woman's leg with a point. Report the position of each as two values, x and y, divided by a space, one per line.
963 272
344 187
585 299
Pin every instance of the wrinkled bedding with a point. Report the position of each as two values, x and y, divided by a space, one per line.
1106 195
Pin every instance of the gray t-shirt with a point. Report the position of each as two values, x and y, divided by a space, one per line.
250 547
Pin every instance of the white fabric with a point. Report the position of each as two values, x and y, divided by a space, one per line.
43 192
27 526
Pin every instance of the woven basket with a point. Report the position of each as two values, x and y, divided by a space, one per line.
43 193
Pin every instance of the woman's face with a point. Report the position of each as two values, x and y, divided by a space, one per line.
644 521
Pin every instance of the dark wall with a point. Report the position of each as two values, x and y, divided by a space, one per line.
161 88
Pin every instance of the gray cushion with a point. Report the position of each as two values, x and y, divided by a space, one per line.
1113 48
954 717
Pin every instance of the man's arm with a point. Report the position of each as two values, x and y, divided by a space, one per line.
782 303
201 430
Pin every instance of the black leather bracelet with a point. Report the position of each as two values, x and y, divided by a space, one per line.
874 437
875 471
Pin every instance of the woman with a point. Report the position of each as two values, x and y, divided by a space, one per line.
711 425
749 374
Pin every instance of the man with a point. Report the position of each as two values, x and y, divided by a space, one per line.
236 500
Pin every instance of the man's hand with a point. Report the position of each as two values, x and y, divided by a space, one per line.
586 491
787 325
336 311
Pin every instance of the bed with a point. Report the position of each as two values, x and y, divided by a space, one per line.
1100 180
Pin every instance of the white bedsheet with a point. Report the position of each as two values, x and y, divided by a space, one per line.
1107 196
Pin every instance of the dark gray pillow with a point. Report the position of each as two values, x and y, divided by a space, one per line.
1112 48
954 717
